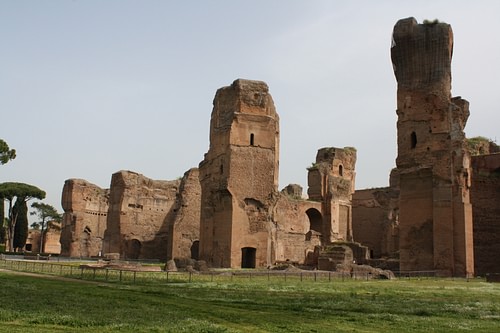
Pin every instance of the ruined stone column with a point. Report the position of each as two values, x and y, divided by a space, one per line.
435 212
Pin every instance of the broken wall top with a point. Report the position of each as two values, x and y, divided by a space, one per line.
79 194
421 54
242 96
130 179
332 155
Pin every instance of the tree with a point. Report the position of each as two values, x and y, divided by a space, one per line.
21 229
2 218
13 192
48 216
6 154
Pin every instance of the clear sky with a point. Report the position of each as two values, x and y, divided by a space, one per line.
88 87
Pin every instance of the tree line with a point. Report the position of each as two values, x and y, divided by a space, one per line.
14 226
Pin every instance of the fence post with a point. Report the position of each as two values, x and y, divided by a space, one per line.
314 276
211 276
300 276
94 274
120 275
81 275
285 277
190 274
134 275
167 276
268 276
329 277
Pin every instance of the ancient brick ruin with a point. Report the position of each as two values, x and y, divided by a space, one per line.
239 177
433 162
331 182
230 213
138 210
133 219
84 221
245 221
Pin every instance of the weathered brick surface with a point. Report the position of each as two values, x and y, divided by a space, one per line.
485 198
375 220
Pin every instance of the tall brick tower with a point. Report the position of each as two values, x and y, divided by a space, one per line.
435 212
239 177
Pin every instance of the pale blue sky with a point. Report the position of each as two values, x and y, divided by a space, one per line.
88 88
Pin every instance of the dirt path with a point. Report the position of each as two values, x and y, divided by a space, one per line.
51 277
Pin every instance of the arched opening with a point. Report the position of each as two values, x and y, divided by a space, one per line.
341 170
248 257
221 169
252 139
134 249
195 250
315 220
413 139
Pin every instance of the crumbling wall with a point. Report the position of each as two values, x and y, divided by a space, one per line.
85 208
184 227
139 211
485 198
294 239
433 162
375 220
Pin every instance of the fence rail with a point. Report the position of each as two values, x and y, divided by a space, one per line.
138 276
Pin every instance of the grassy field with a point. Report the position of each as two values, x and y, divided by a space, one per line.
43 304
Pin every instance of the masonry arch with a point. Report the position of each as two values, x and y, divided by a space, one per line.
315 220
315 226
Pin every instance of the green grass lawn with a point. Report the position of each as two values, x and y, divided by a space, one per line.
30 304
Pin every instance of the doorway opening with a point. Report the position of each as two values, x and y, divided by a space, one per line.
248 257
195 250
